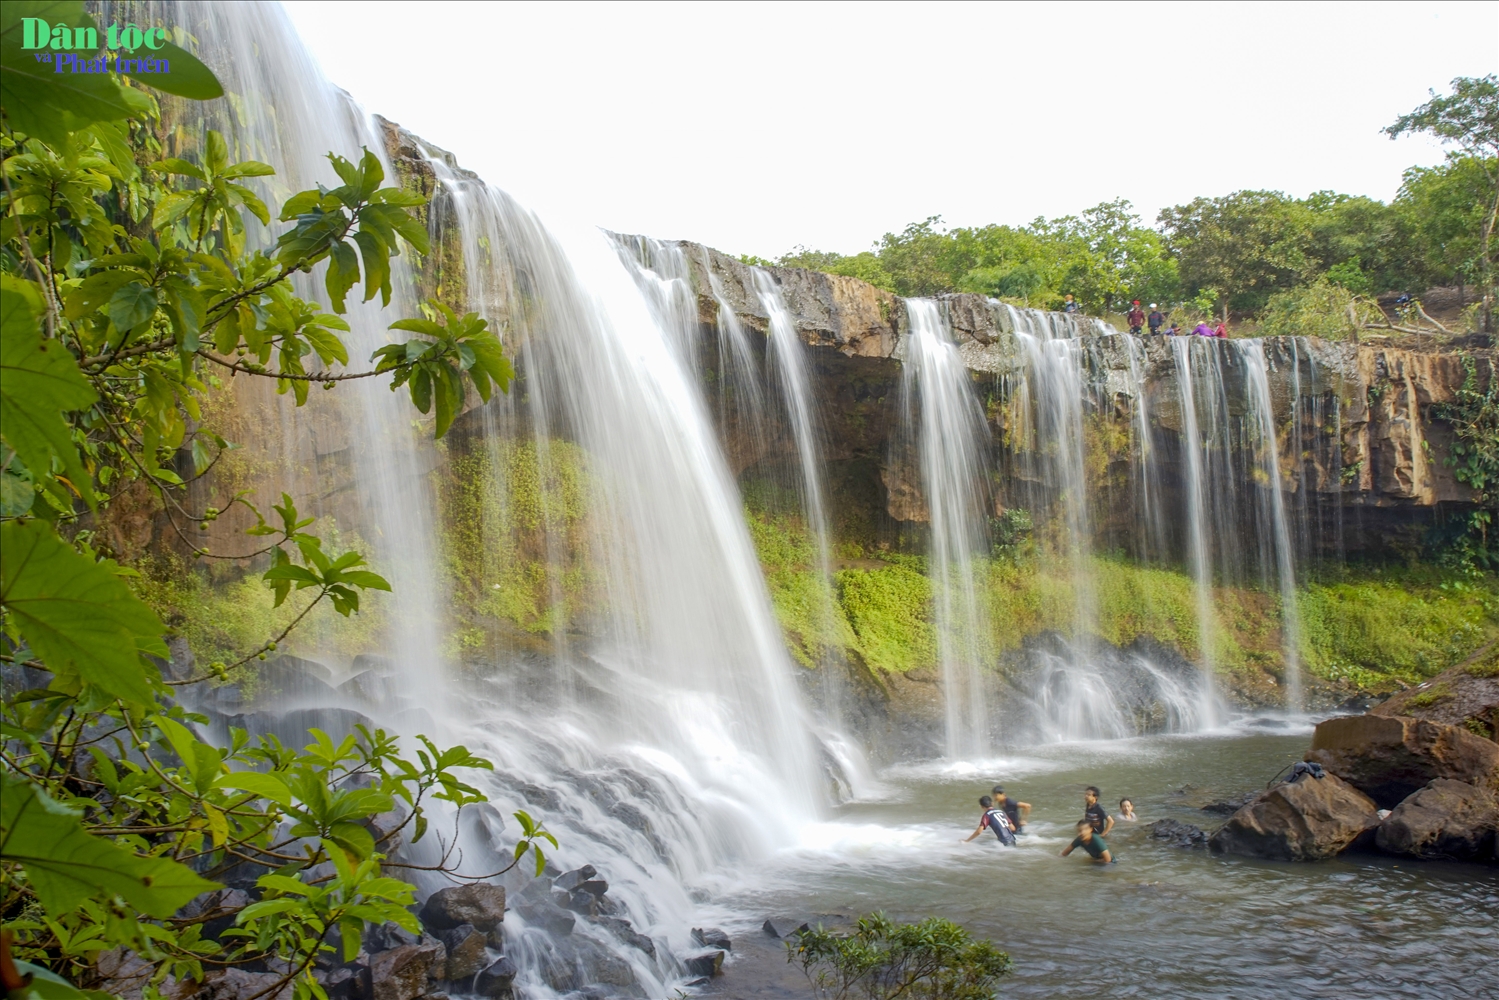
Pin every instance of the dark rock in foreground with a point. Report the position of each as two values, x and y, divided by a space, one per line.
1178 834
1307 820
1446 819
707 964
711 937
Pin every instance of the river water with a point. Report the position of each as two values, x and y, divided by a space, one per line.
1162 922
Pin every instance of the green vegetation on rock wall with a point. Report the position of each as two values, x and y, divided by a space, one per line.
1373 629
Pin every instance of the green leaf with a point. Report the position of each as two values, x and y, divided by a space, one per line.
215 152
343 271
188 78
131 305
267 786
96 290
66 865
376 266
38 382
174 165
46 104
250 168
78 616
353 838
48 985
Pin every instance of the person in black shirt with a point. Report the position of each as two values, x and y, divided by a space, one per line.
1012 808
1094 813
994 818
1156 319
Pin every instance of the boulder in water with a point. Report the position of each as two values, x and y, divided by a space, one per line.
626 932
1306 820
403 973
480 904
1178 834
1390 757
1446 819
769 929
711 937
568 881
1229 806
467 953
709 963
548 916
498 980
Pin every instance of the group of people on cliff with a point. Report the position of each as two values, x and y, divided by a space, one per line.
1139 319
1006 817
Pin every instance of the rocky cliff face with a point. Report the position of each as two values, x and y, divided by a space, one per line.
1373 444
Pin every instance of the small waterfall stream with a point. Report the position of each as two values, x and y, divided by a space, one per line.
949 437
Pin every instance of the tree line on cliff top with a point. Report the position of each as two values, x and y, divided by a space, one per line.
1230 254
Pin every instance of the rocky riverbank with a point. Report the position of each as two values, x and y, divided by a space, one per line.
1416 776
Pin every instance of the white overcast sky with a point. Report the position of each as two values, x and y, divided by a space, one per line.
756 127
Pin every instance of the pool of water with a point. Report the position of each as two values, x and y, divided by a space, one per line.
1162 922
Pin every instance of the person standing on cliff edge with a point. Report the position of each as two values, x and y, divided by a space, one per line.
1069 306
1157 319
1136 318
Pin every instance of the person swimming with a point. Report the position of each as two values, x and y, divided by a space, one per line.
1013 809
1093 843
1127 811
994 819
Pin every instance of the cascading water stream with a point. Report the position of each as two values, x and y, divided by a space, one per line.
1198 555
951 439
1261 414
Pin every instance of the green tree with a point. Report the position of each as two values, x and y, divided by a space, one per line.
127 288
1468 118
1241 248
1443 209
882 960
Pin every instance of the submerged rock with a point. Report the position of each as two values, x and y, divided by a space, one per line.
707 964
769 929
1178 834
1307 820
1446 819
711 937
498 980
1389 758
1229 806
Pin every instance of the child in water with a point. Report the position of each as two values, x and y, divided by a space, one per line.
994 819
1093 843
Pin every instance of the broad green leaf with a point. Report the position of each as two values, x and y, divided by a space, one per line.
48 985
38 382
131 305
267 786
79 617
66 865
174 165
47 104
188 78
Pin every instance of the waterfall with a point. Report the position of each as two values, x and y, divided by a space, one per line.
1199 557
951 440
668 745
1261 411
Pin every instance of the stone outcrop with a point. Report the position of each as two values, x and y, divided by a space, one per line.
1306 820
1466 695
1445 819
1390 757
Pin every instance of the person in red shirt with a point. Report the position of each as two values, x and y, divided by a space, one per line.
1136 318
